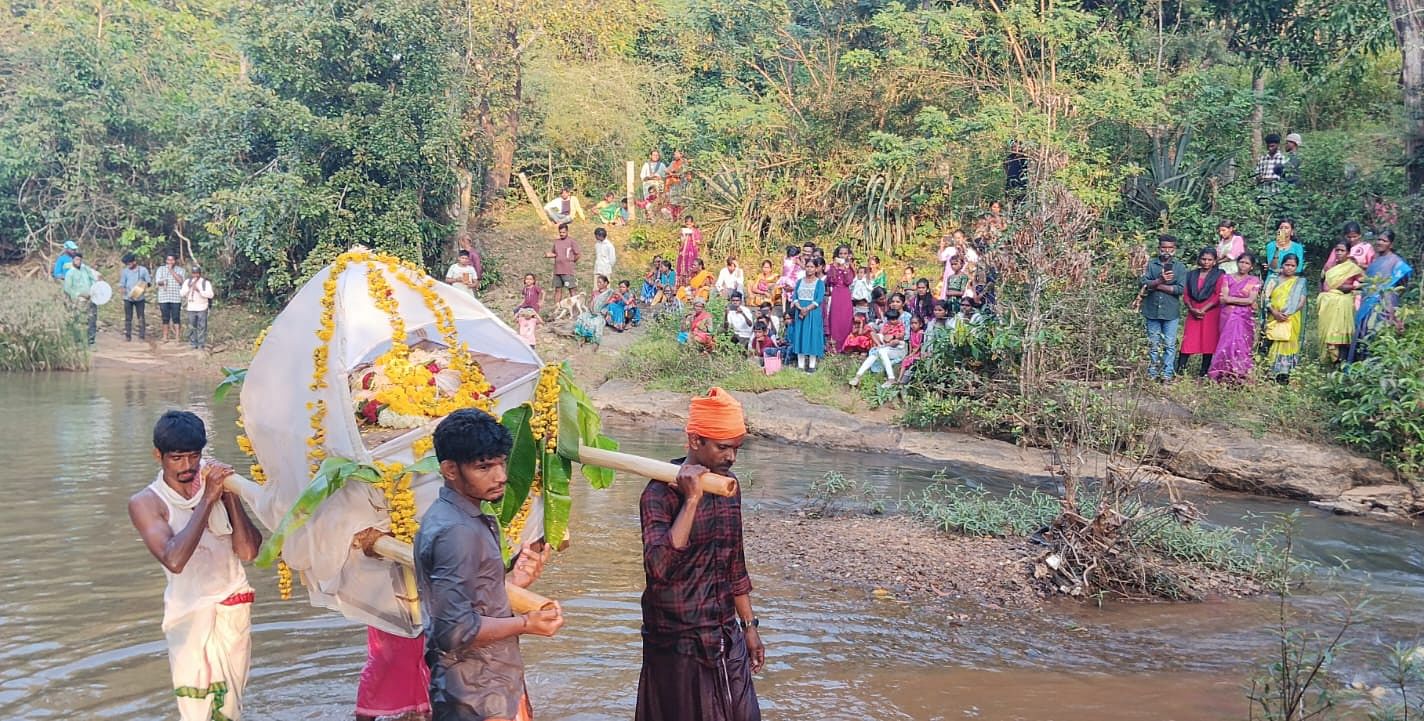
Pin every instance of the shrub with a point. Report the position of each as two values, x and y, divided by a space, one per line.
40 329
1378 403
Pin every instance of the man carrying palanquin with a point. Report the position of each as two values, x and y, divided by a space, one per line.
201 534
471 633
700 639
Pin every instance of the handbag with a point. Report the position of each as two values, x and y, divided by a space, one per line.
1277 330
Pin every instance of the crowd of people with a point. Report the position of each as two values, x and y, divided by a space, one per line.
1244 306
180 294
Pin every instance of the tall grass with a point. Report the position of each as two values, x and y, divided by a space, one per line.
39 328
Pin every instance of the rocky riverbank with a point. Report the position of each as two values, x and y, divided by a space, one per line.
1205 457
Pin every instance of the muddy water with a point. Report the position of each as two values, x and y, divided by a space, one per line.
79 632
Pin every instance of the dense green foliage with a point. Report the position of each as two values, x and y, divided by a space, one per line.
39 329
1378 404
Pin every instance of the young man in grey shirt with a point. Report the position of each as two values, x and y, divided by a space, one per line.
1161 295
130 278
471 633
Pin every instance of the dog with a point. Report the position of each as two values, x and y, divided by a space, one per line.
570 307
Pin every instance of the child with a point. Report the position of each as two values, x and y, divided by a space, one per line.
533 294
917 344
768 316
860 339
956 288
860 287
922 306
529 321
763 345
791 273
889 349
939 322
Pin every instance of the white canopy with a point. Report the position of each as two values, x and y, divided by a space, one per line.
277 402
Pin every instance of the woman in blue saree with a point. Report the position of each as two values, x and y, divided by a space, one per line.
1380 291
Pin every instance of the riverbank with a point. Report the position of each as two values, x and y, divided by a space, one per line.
1183 454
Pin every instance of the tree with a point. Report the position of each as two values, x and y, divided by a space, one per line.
1407 17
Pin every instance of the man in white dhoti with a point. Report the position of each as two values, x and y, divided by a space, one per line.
201 534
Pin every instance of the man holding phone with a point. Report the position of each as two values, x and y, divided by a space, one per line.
1162 285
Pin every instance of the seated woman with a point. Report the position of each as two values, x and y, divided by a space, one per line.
622 308
889 349
588 327
697 326
607 209
699 286
764 287
649 290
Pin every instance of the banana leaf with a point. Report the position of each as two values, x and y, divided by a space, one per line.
590 427
557 504
330 478
232 378
522 464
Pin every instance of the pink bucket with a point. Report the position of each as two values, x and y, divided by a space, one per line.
772 364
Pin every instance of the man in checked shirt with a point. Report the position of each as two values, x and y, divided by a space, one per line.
701 644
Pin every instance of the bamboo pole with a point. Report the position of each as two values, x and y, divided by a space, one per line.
654 469
534 199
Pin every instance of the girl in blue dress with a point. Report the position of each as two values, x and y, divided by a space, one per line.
808 332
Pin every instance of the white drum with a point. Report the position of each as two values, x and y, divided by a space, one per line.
100 293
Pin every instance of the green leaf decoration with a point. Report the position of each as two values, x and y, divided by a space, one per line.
598 476
330 477
569 432
428 464
522 463
557 504
232 378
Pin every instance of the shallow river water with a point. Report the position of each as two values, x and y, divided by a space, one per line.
80 638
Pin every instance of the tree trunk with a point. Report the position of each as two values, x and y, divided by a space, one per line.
1408 18
502 133
1258 111
463 210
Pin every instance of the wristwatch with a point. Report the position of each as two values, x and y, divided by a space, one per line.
754 623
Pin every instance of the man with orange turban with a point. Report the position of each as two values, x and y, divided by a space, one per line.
700 639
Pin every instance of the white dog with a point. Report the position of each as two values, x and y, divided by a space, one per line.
570 307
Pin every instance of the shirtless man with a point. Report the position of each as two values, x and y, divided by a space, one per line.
201 534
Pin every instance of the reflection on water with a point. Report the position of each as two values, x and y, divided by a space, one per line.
79 629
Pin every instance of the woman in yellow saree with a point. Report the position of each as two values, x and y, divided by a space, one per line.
1285 301
700 286
1335 307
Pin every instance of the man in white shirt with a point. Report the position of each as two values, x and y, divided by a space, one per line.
740 319
197 293
169 279
565 208
605 256
653 173
731 279
462 273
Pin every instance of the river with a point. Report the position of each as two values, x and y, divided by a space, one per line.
79 629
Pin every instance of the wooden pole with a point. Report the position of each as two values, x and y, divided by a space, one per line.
649 468
534 199
632 199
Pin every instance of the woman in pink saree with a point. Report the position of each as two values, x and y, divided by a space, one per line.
1232 360
691 250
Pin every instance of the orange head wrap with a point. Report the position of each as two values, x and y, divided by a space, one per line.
717 416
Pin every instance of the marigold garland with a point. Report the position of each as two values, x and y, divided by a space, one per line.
422 447
284 580
395 484
544 422
515 529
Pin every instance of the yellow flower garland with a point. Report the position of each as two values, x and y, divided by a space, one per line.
544 422
422 447
284 580
515 529
395 484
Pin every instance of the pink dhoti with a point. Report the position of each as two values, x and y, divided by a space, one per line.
395 680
